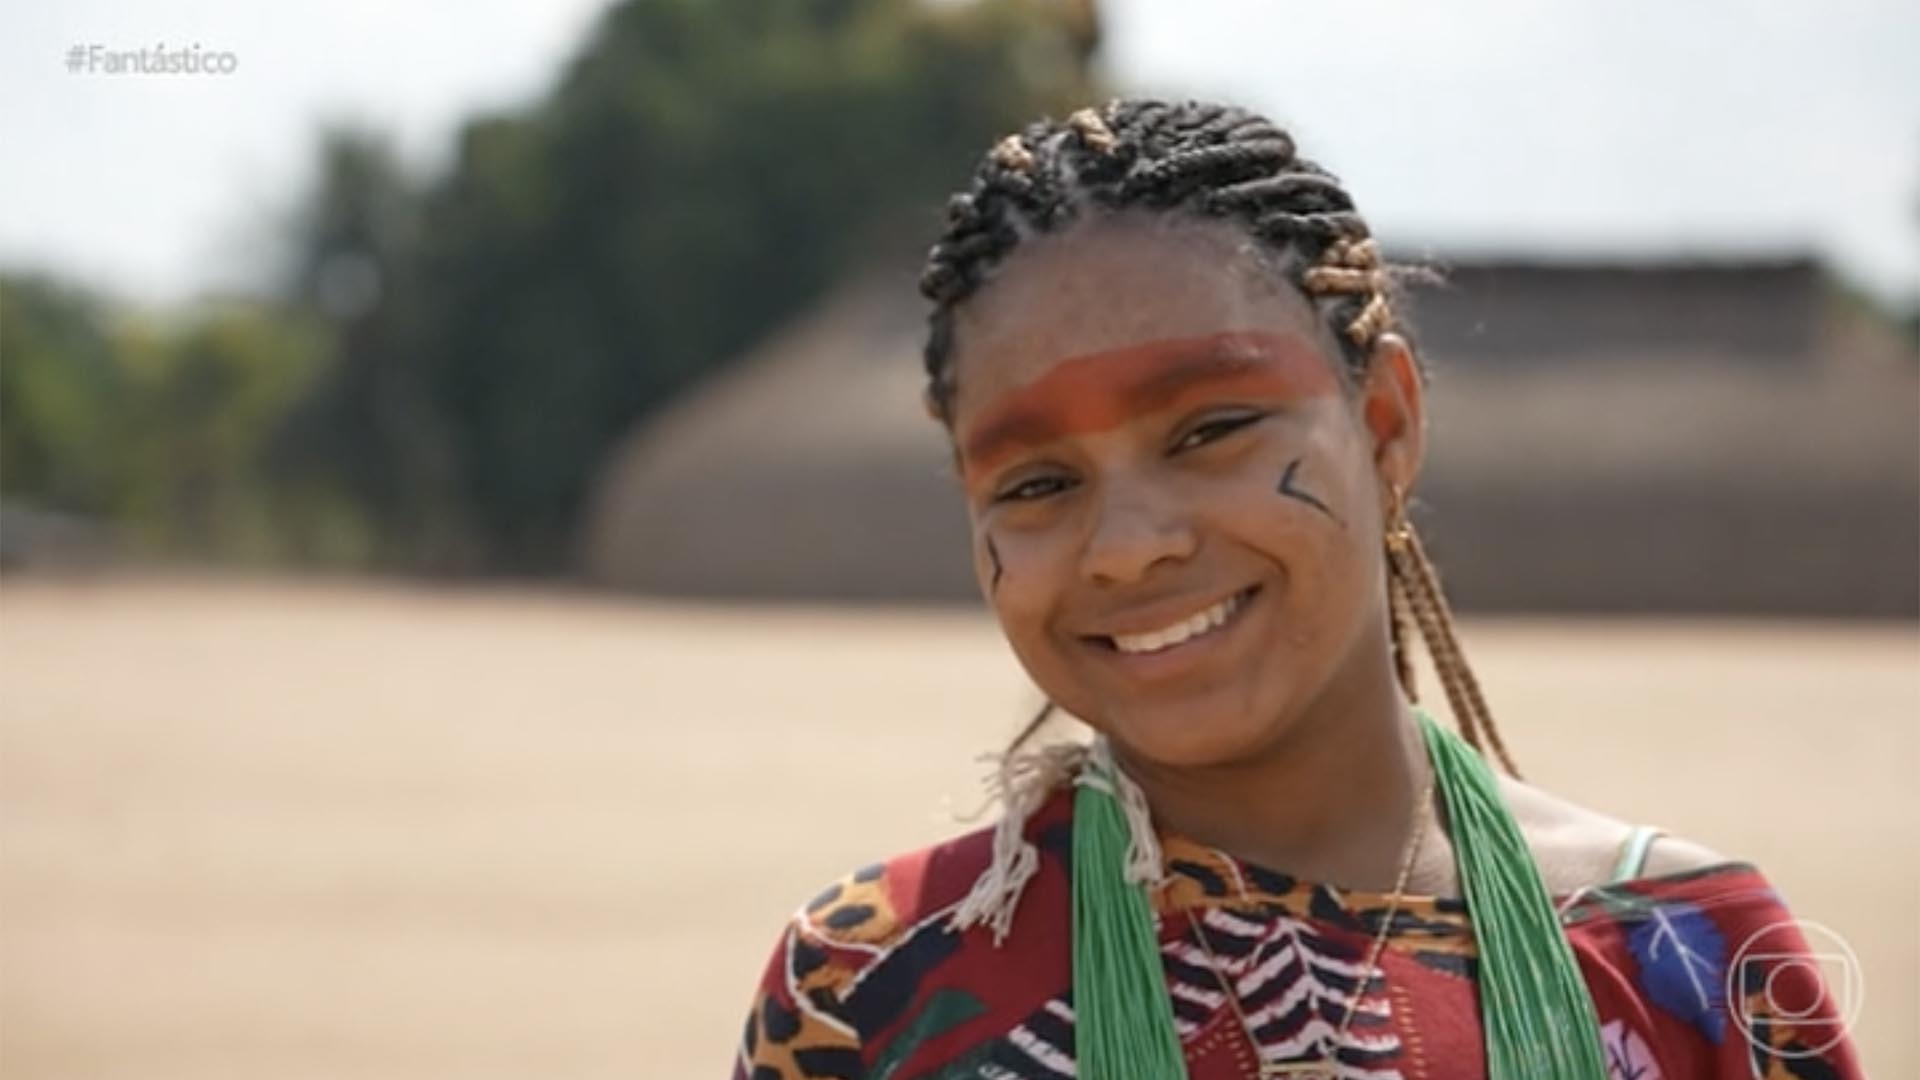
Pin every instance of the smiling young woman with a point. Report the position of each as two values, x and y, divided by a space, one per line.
1186 420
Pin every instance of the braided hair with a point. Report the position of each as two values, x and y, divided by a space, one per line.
1210 162
1189 158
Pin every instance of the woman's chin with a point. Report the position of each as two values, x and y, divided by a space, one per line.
1189 740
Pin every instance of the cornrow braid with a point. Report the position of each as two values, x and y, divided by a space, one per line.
1204 160
1412 576
1397 638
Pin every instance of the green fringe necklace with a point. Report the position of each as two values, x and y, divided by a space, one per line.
1538 1019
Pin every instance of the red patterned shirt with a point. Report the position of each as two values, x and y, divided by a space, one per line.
1700 974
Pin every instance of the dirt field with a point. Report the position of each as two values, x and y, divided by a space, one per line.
349 831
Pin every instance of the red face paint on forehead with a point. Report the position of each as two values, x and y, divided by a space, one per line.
1100 391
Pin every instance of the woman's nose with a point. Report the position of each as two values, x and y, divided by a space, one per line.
1133 530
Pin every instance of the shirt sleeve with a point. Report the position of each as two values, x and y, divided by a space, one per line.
1710 976
794 1028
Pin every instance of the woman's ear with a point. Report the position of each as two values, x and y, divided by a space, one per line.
1393 408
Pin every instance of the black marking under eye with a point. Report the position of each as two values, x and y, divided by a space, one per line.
1287 488
993 554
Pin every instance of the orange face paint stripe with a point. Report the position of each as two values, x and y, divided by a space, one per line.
1101 391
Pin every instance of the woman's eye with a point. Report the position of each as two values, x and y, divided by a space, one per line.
1212 430
1029 490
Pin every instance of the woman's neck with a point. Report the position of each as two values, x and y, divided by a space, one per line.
1328 801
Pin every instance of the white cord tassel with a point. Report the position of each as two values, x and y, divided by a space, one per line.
1021 784
1143 865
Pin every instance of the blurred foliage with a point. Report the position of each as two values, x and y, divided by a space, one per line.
450 358
163 425
61 389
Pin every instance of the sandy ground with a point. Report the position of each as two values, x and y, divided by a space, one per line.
351 831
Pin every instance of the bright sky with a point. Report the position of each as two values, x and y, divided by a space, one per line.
1626 126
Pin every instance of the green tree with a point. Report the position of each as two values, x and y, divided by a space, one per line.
160 426
61 398
204 396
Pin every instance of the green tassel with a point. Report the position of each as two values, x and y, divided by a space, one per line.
1123 1013
1539 1019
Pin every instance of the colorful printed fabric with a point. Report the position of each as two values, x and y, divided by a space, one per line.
1695 975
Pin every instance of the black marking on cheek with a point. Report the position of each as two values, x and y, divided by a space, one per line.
1287 488
999 571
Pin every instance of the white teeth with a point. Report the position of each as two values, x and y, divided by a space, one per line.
1192 626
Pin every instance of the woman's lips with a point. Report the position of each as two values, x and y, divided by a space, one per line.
1173 659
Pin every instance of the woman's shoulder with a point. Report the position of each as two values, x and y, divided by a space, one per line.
882 904
1578 847
852 960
